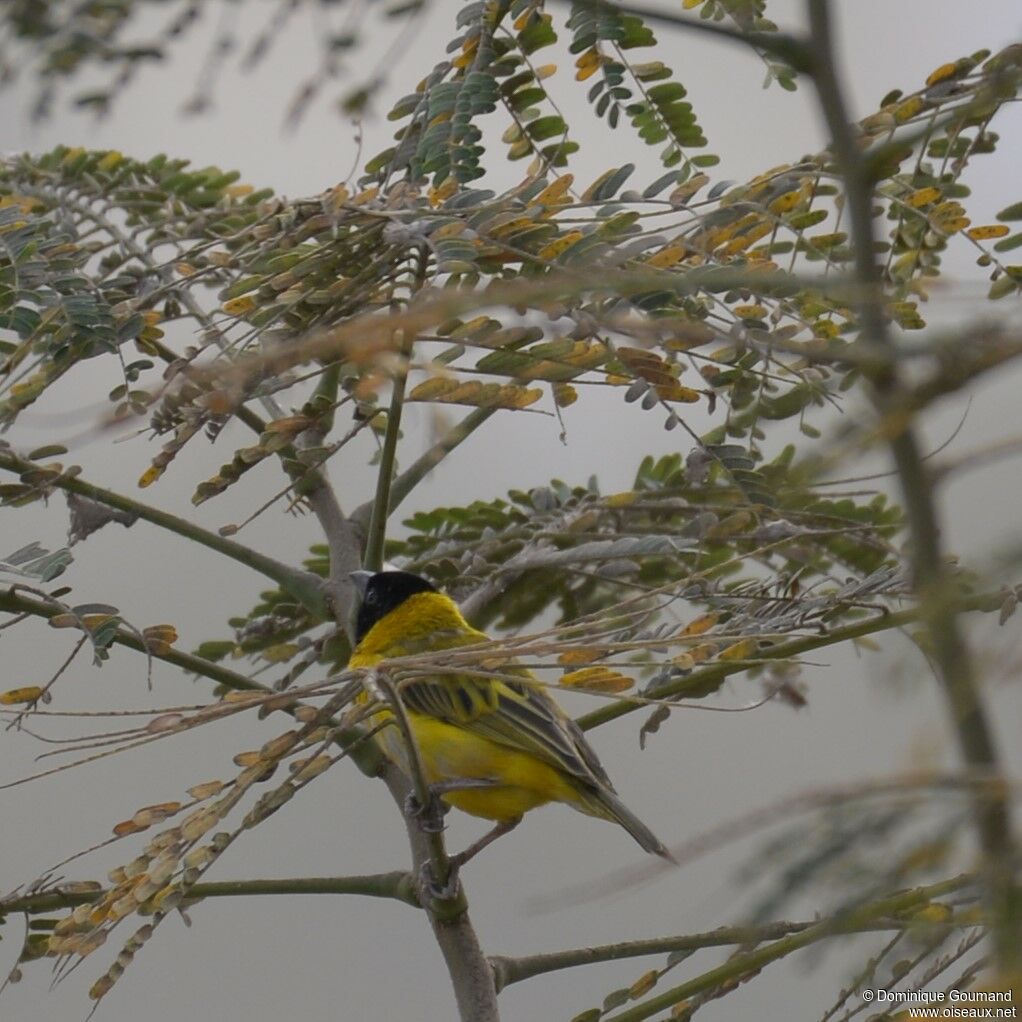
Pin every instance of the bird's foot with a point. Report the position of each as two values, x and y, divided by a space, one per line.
430 816
436 891
459 860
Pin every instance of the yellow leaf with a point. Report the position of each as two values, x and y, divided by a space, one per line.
581 655
26 694
468 50
685 191
564 395
239 306
307 769
206 790
93 622
625 499
368 195
442 192
702 652
923 196
932 913
689 5
942 72
667 256
750 311
701 624
741 650
24 202
110 161
431 390
787 202
280 653
545 71
552 249
589 59
159 638
239 191
451 230
277 747
954 224
947 210
908 109
676 392
554 194
148 815
643 984
597 679
126 827
988 231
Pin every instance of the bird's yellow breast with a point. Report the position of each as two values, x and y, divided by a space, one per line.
450 753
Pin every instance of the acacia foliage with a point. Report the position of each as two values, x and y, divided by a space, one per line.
680 292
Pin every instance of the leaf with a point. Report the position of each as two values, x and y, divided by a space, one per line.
480 395
699 625
26 694
597 679
651 367
923 196
159 638
668 256
742 650
581 655
988 231
644 984
560 245
556 193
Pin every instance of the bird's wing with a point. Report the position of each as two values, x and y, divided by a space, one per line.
516 714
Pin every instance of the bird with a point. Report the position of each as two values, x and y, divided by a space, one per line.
492 747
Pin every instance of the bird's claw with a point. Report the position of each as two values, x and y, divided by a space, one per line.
439 892
430 816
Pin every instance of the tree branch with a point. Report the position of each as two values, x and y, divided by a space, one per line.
742 966
406 481
707 679
366 755
303 585
398 886
343 536
17 603
514 970
932 580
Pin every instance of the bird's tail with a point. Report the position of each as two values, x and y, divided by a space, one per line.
606 804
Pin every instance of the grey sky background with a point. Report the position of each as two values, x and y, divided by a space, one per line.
354 959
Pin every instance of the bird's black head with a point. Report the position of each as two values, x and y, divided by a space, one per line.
383 592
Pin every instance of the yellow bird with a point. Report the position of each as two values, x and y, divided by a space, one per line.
492 748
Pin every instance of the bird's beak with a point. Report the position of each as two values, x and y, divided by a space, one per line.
361 580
